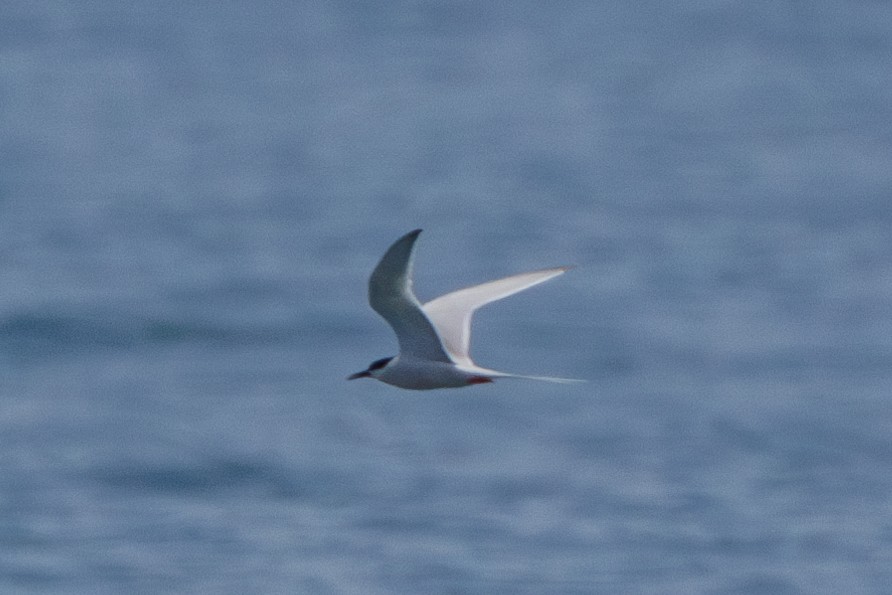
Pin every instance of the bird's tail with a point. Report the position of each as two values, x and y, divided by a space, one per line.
497 374
548 378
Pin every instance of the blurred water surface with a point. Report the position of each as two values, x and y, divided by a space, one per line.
192 197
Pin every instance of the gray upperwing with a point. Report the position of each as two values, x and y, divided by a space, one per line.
451 313
391 296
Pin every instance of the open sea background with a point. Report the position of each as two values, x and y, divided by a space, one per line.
192 196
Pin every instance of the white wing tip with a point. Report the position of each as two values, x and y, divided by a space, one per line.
560 270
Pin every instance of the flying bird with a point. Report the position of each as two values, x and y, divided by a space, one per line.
434 338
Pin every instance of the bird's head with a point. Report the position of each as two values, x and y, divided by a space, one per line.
373 371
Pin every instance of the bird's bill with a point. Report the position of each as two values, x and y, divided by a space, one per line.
363 374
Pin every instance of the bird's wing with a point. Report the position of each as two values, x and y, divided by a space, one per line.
391 296
451 313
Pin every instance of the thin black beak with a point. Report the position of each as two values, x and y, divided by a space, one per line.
363 374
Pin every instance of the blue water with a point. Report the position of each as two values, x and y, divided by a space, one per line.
192 196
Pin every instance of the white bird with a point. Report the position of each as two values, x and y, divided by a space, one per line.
434 338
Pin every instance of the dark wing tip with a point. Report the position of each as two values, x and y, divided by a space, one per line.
408 237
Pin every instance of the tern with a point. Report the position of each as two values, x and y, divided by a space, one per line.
434 338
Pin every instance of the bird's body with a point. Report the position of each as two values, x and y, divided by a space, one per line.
434 338
422 374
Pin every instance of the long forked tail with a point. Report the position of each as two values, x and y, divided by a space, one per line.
496 374
548 378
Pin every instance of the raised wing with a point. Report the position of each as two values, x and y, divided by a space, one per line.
451 313
391 296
